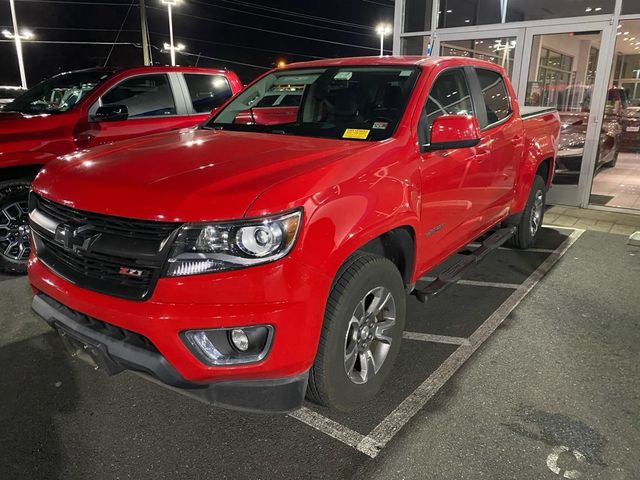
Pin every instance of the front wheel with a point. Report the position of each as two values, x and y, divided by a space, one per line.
14 226
361 334
532 216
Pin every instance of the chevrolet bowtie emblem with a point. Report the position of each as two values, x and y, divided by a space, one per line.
76 238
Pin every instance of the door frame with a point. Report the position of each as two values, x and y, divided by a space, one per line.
440 37
577 195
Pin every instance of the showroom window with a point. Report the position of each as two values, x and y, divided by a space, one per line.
144 96
207 91
462 13
494 93
523 10
416 46
554 74
630 6
497 50
417 15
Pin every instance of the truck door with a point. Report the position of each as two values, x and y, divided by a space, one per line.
454 181
154 104
502 145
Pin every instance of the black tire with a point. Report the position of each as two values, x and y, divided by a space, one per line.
329 382
14 194
525 237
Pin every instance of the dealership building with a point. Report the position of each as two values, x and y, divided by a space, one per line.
581 56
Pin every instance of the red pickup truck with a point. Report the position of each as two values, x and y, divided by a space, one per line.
77 110
247 264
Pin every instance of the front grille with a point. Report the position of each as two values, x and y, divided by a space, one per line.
125 261
125 227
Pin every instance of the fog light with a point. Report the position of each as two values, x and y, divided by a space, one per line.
230 346
240 339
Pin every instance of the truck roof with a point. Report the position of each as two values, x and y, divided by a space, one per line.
152 68
408 60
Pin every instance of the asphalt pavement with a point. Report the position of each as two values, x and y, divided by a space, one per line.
555 387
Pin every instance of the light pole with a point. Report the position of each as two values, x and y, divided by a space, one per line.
383 29
169 4
18 37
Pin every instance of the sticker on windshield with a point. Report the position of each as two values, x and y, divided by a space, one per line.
356 133
380 125
405 73
343 76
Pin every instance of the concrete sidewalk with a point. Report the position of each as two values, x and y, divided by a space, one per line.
555 393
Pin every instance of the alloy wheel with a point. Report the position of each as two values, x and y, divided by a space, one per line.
368 339
536 213
14 231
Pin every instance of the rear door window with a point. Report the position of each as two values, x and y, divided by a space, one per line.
144 96
496 98
207 91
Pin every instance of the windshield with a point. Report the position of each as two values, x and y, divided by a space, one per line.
57 94
355 103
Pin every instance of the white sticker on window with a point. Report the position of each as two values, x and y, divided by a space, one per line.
343 76
405 73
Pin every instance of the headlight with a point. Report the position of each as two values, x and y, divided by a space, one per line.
214 247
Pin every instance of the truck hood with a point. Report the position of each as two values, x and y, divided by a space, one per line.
185 176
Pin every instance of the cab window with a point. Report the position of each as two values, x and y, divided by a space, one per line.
449 95
144 96
496 98
207 91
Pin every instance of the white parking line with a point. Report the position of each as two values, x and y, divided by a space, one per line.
427 337
386 430
479 283
378 438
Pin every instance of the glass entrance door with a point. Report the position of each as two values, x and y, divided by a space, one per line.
565 69
503 48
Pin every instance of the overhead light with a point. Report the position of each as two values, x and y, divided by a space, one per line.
598 9
467 21
625 38
588 9
449 11
619 25
632 38
625 33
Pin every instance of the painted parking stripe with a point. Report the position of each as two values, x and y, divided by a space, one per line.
479 283
427 337
399 417
335 430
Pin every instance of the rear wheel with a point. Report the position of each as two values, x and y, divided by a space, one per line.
14 226
532 216
361 334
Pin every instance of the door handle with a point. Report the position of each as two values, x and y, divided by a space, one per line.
482 155
516 140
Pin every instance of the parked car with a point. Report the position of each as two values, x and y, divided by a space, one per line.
247 264
74 111
278 106
630 136
9 94
574 134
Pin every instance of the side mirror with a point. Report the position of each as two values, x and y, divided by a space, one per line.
111 113
453 131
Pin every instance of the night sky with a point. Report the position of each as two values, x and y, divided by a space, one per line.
212 28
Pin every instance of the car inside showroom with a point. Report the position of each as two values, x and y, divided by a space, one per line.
361 239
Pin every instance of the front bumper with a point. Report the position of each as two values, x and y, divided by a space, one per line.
114 350
288 295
